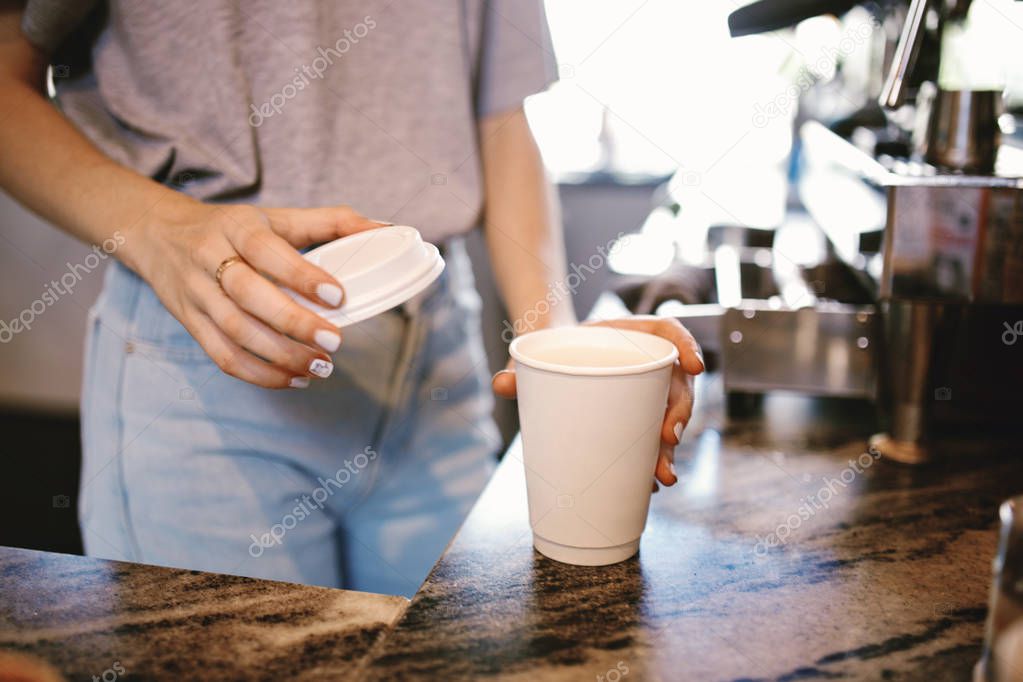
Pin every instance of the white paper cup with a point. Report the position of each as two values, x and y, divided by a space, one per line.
591 403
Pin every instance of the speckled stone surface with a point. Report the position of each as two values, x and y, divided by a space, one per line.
85 615
889 580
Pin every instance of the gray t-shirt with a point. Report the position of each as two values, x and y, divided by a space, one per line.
369 103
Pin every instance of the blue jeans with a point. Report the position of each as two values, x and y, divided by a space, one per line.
358 481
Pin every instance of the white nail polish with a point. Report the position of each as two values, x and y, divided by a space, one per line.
299 382
327 340
321 368
331 293
678 431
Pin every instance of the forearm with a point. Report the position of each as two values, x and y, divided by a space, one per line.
522 226
51 168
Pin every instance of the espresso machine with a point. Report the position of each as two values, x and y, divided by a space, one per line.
916 302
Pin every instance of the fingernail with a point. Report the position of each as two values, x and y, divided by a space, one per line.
678 431
327 340
321 368
331 294
381 223
671 468
699 356
299 382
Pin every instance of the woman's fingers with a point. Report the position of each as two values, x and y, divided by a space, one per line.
690 355
503 383
266 302
246 332
251 236
676 418
302 227
680 406
665 471
234 360
255 336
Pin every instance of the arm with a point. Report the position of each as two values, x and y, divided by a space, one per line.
51 168
522 224
174 242
526 247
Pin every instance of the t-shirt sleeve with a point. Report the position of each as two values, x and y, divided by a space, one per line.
516 55
46 23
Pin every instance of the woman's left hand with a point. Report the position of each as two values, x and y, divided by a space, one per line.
680 395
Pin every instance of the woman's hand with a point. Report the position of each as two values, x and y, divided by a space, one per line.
249 327
680 395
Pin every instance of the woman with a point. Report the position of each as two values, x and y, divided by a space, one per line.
210 142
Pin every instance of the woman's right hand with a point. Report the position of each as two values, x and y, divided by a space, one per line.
249 327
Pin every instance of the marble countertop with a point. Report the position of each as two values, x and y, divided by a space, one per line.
747 571
886 577
95 619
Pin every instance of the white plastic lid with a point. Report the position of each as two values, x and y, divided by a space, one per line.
379 269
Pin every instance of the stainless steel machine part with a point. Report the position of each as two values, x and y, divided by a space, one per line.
908 334
947 237
827 349
1002 653
962 130
950 277
893 92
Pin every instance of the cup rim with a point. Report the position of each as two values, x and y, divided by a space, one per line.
657 362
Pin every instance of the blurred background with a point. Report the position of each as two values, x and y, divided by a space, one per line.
661 128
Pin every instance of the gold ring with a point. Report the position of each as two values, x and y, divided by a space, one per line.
224 265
